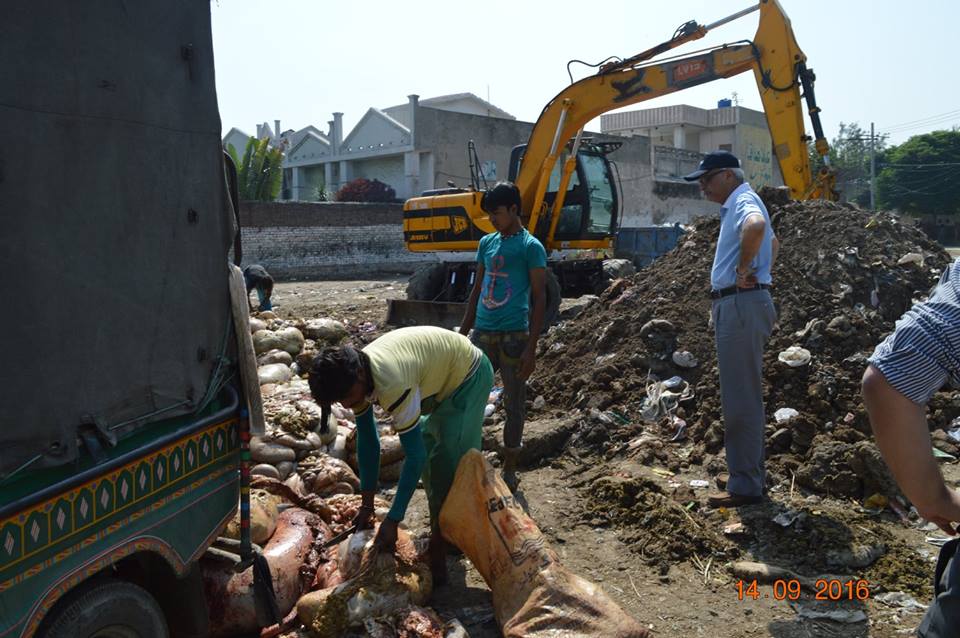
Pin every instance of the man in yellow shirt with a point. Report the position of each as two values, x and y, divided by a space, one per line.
435 384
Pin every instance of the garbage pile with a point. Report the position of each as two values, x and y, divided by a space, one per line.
643 352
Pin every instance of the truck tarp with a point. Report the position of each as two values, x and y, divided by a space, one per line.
116 221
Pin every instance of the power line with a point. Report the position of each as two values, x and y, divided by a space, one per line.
938 124
923 184
925 165
922 119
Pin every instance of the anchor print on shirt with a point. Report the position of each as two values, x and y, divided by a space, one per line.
489 299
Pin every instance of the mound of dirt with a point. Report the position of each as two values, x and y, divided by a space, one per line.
843 276
651 522
816 542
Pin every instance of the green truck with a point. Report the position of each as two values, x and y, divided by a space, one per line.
121 399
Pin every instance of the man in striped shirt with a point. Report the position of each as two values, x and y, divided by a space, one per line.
906 369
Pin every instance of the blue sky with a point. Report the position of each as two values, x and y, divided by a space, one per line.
298 61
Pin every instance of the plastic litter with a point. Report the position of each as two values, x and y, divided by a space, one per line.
786 518
489 409
954 431
795 356
680 432
684 359
838 615
911 258
662 400
699 483
939 541
672 382
785 414
899 599
940 454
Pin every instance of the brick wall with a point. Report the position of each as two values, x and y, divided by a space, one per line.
320 240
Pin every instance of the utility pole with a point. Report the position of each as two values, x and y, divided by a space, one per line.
873 169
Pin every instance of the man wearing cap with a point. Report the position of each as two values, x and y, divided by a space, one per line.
435 384
743 317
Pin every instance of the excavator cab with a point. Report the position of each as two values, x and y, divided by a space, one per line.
590 209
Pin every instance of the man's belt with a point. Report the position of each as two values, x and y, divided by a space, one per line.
732 290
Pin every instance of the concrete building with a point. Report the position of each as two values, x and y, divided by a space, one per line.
681 134
422 144
385 145
237 139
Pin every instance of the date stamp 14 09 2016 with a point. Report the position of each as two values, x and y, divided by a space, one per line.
790 589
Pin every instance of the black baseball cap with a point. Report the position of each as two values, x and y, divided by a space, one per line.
716 159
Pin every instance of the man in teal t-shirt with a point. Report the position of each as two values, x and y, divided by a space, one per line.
511 273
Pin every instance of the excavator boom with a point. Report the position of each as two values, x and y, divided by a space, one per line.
779 66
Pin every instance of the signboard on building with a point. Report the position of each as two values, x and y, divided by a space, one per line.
756 156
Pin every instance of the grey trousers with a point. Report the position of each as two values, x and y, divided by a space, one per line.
504 350
742 323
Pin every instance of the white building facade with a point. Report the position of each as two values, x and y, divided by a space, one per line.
680 135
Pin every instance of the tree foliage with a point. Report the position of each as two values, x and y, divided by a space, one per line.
850 158
918 175
259 171
365 190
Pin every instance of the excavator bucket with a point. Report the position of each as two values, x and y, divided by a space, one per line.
407 312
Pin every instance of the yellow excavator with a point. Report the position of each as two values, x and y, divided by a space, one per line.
568 186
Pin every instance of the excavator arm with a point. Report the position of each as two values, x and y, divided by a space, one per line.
773 55
452 219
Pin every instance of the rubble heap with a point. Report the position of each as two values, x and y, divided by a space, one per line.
843 276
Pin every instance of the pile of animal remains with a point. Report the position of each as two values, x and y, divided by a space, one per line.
304 492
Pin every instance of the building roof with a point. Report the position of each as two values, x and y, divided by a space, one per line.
308 136
679 114
373 113
235 131
442 100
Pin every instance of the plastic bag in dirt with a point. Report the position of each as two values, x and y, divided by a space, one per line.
534 596
795 356
785 414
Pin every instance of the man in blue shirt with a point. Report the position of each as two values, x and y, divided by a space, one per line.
743 318
511 273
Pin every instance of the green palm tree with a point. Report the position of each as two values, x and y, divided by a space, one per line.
259 171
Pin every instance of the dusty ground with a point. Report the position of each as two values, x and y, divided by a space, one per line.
619 522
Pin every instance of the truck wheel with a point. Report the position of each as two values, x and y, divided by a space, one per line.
552 311
107 609
426 282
